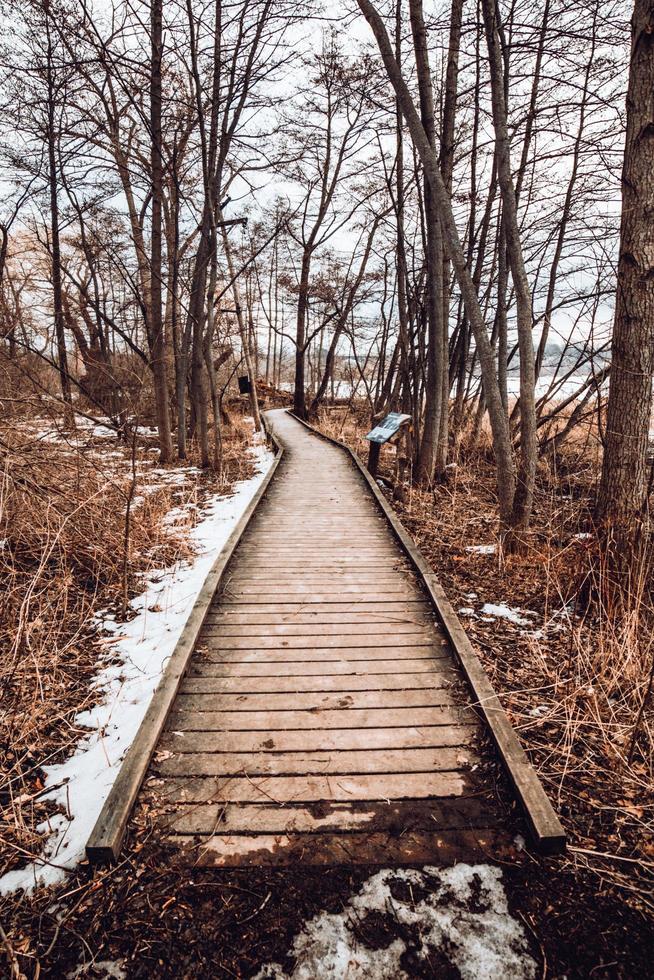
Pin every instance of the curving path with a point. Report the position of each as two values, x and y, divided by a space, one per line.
323 718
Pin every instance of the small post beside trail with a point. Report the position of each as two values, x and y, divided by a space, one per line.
374 450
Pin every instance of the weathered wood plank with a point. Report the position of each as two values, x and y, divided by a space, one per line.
272 721
299 590
318 617
209 652
424 665
231 598
312 789
320 740
188 700
212 639
201 682
386 607
327 631
316 763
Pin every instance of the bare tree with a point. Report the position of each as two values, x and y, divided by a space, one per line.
622 501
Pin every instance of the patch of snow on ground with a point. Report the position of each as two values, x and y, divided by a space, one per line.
502 611
82 783
457 914
482 549
104 969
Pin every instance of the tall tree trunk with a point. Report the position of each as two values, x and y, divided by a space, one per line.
524 496
434 257
406 366
209 363
622 500
299 398
57 293
157 337
447 170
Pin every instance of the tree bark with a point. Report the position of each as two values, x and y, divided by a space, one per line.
299 396
57 293
157 338
523 501
447 170
622 500
434 256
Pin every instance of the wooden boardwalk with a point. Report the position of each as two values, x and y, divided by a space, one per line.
323 717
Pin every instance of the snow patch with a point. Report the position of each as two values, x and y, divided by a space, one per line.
104 969
459 914
81 784
482 549
502 611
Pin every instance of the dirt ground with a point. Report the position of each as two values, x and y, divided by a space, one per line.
154 919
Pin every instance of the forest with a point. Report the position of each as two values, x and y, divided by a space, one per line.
235 235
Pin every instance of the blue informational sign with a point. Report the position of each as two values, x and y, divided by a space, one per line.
388 427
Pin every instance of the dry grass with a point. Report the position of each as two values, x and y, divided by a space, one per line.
68 552
574 679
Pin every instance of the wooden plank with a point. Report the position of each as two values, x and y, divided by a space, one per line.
316 701
362 525
327 631
215 640
312 789
331 542
297 575
397 817
325 586
445 847
422 665
289 662
304 578
334 550
107 835
318 593
307 532
199 683
391 606
218 616
318 563
320 740
316 763
319 598
273 721
308 655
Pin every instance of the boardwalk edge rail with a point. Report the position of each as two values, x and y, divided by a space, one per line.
106 839
545 827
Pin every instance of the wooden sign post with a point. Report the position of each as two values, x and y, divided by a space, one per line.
387 429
